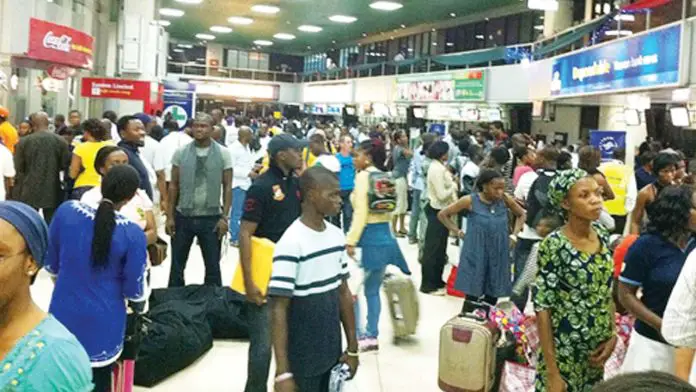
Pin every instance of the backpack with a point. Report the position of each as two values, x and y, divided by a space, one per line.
537 199
381 194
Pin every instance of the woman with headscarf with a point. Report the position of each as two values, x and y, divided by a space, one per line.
98 258
37 353
572 297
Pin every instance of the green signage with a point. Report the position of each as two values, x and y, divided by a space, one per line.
465 86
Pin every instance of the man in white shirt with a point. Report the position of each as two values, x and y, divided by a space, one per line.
264 138
243 170
7 168
163 158
231 131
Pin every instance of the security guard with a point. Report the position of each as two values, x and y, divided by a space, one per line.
272 205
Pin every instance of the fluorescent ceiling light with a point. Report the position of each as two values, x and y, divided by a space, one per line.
284 36
239 20
189 1
452 14
543 5
480 36
205 37
386 5
185 46
342 19
618 33
263 42
178 50
310 28
539 27
173 12
265 9
164 23
220 29
625 17
450 44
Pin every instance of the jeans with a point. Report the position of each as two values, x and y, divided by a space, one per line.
434 252
522 250
188 228
422 228
373 282
415 215
238 197
346 210
259 362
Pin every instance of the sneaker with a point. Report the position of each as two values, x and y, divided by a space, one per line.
368 345
439 292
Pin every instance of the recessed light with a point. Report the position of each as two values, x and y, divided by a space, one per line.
205 37
386 5
310 28
284 36
450 44
265 9
333 42
487 19
433 30
539 27
185 46
220 29
309 47
189 1
434 43
452 14
163 22
263 42
342 19
173 12
239 20
403 26
480 36
364 34
178 50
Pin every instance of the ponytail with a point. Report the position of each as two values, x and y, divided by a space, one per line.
119 185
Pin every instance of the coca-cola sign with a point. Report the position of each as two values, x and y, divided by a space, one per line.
59 44
62 43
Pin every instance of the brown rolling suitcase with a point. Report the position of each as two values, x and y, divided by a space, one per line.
467 355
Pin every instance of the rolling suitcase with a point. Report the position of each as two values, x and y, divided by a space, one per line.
403 305
467 355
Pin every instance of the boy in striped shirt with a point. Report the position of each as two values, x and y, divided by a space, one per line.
310 298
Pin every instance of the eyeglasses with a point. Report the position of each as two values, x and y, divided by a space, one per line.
7 257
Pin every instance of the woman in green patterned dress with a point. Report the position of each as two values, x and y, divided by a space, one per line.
572 297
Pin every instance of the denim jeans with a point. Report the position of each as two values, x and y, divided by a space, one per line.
346 210
188 228
373 282
415 215
238 197
259 362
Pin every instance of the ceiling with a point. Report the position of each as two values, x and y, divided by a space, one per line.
293 13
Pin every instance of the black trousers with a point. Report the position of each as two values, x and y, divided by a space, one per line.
101 377
318 383
434 252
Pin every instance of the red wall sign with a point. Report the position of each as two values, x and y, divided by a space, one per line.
116 88
59 44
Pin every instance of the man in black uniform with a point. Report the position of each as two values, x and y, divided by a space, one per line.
272 204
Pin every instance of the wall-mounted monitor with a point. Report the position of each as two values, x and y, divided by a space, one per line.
680 116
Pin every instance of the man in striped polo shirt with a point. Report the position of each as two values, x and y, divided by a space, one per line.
310 298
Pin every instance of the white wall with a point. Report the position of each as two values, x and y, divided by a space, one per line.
567 120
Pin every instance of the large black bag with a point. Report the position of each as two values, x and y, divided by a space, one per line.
224 308
537 199
178 335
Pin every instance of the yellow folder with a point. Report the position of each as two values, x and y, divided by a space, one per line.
261 265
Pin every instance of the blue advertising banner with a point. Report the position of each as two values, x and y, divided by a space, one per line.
645 61
179 102
607 142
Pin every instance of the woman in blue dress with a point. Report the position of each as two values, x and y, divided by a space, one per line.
484 261
37 353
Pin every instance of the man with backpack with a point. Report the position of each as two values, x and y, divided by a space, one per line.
531 191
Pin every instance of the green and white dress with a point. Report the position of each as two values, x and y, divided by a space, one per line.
575 287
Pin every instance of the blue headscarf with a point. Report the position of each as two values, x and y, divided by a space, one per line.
30 225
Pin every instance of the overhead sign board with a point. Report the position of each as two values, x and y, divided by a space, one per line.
116 88
59 44
649 60
465 86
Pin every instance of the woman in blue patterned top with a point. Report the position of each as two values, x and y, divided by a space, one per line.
37 353
98 258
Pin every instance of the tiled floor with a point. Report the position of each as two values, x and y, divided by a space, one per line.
410 366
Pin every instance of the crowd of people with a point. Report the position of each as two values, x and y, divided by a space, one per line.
534 223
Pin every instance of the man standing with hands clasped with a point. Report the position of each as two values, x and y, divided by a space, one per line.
272 205
309 292
201 172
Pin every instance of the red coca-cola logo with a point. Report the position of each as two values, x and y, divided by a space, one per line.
60 72
61 43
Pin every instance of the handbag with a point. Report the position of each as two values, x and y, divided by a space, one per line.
157 251
136 329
